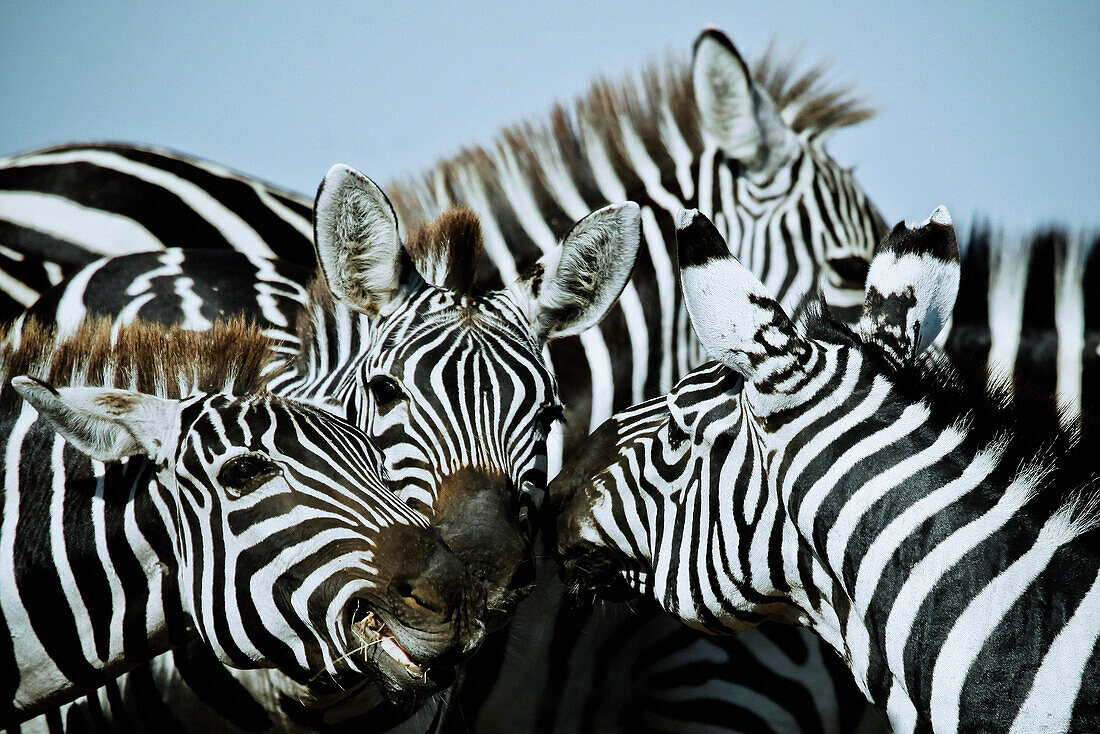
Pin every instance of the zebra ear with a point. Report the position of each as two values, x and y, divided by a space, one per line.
573 286
358 245
105 423
736 319
734 111
911 288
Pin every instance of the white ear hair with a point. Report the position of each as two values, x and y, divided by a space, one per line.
574 285
105 423
733 110
736 319
911 287
357 241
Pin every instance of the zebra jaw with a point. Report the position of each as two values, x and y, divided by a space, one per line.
373 631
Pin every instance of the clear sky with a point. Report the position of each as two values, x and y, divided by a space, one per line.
988 107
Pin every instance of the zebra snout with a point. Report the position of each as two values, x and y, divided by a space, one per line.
478 518
436 587
420 595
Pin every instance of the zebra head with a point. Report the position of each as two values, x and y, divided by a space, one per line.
449 380
687 497
790 213
286 546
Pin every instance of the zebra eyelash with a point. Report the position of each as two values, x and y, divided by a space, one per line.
243 473
676 434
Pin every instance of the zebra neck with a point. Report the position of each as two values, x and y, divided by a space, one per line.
87 574
930 544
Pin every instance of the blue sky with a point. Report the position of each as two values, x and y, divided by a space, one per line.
990 108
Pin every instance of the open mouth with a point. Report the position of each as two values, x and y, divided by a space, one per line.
373 632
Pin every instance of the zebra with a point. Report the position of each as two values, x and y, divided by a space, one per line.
647 140
395 327
832 478
162 496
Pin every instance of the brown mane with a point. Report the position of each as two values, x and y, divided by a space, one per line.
169 362
447 250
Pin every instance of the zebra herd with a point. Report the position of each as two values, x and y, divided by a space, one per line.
370 444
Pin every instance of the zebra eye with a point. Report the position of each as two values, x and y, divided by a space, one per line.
385 391
242 474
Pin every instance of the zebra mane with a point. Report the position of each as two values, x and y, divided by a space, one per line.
1038 439
639 109
170 362
1043 252
446 251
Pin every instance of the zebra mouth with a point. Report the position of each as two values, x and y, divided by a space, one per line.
373 632
591 570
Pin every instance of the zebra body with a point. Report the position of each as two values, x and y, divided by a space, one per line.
261 526
797 216
937 540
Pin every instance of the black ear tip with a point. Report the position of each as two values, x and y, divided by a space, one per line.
23 381
713 34
697 239
935 237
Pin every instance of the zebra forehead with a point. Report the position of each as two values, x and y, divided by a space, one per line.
443 324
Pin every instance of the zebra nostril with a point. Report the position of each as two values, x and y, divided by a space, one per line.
419 597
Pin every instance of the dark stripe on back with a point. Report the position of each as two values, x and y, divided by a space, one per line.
1037 358
239 197
1090 360
969 341
160 211
32 243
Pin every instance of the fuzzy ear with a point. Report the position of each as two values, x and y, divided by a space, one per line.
733 110
737 320
573 286
104 423
911 288
358 245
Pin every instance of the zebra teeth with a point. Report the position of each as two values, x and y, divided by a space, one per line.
373 631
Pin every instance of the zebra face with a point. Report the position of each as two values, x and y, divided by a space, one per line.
637 509
692 498
289 549
456 392
450 381
789 212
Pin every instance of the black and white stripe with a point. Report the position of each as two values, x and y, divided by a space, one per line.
261 526
797 216
64 207
447 379
935 537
